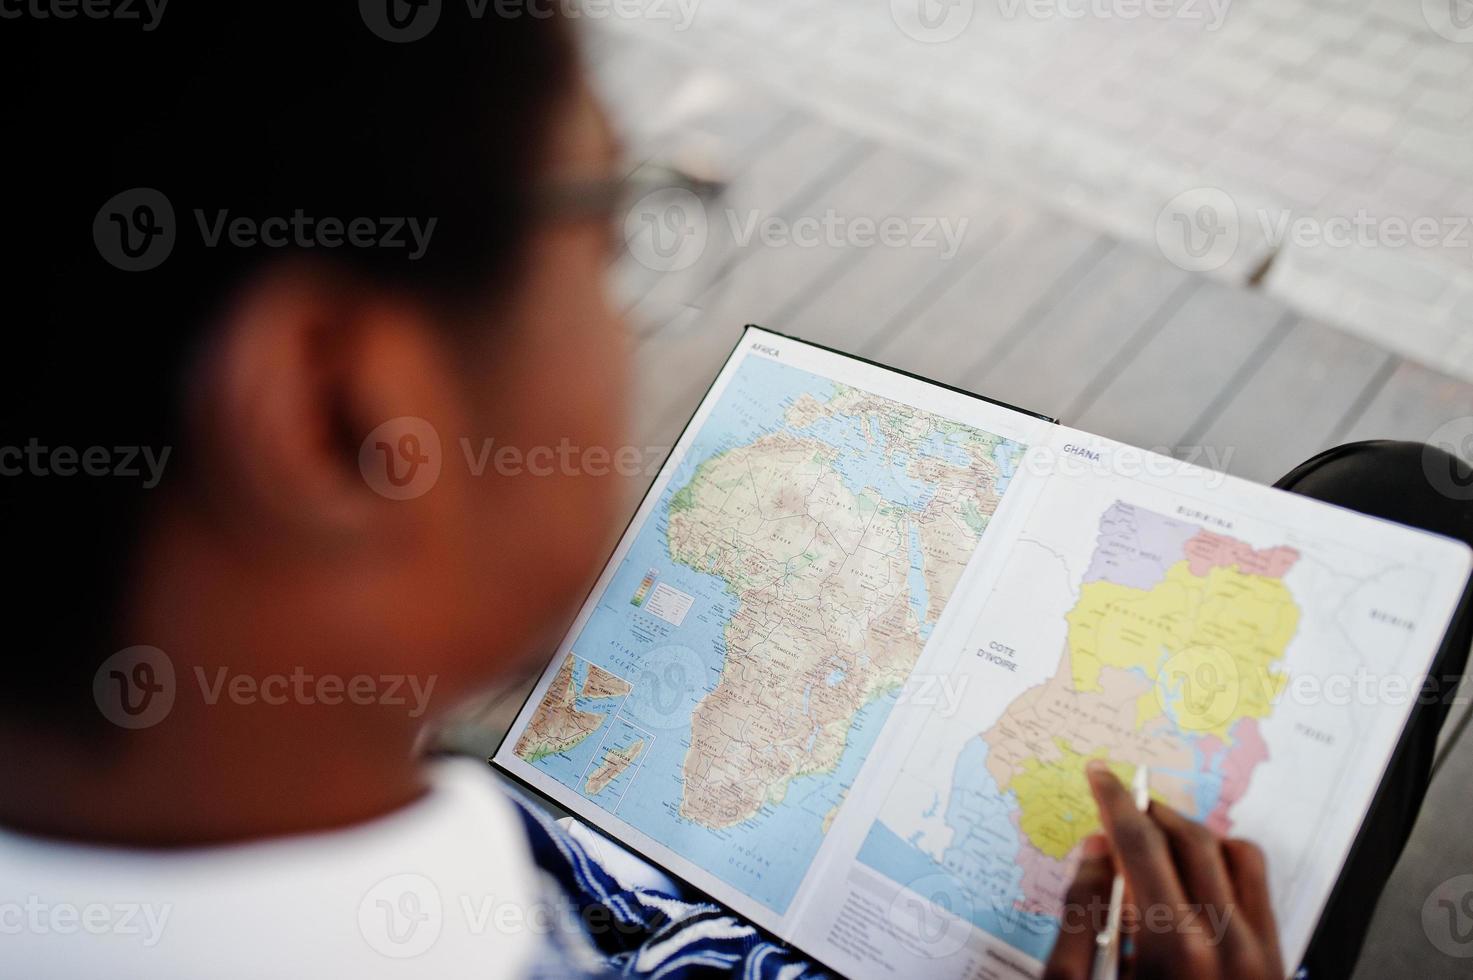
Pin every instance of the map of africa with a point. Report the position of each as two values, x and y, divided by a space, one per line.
740 664
1171 659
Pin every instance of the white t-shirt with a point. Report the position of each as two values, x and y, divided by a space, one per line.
443 888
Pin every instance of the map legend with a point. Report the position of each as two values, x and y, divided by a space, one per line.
644 587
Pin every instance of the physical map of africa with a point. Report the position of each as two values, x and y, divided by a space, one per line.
740 663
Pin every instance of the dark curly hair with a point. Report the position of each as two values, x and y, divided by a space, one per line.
259 110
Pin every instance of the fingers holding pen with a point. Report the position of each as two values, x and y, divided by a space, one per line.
1140 846
1204 902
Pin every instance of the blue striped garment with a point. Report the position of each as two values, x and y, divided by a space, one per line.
595 927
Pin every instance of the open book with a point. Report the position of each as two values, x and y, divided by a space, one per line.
845 669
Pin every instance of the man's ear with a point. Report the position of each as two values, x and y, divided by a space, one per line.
305 367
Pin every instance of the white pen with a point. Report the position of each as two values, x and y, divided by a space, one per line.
1107 940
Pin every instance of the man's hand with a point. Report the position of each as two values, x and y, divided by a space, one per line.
1196 906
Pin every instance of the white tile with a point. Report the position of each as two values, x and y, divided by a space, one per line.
1449 152
1334 25
1322 104
1385 45
1303 99
1367 121
1360 75
1409 182
1443 59
1443 105
1336 150
1291 49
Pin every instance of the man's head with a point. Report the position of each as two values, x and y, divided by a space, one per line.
267 272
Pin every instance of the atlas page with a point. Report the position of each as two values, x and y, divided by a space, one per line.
1259 652
758 623
846 666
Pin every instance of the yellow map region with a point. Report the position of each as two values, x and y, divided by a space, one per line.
1057 808
1145 670
1207 642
